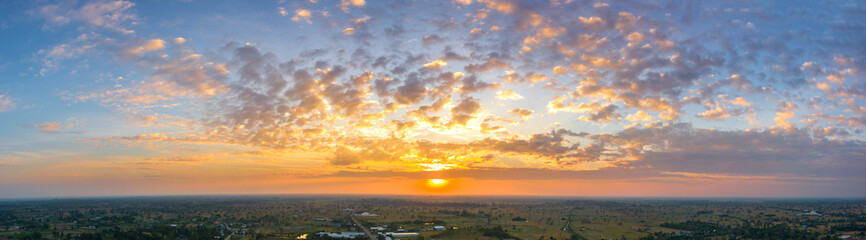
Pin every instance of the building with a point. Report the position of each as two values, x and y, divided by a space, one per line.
344 235
366 214
402 235
809 213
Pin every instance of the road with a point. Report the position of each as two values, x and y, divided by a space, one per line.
366 231
229 230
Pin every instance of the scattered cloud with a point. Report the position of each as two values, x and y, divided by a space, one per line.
345 4
106 14
302 15
54 127
148 46
660 96
508 95
179 40
436 64
6 103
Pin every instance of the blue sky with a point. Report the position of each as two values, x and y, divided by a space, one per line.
647 98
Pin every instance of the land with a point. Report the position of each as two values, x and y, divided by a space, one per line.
431 217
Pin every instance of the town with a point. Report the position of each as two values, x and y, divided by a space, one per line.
417 217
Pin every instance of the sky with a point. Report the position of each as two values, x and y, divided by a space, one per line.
465 97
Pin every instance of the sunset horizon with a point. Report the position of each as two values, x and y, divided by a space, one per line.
557 98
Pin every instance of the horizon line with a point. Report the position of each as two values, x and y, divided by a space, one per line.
557 197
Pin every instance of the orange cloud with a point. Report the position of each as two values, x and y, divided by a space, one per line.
436 64
302 15
508 95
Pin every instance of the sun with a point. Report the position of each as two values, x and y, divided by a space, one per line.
437 182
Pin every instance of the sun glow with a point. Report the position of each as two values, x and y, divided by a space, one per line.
433 167
437 182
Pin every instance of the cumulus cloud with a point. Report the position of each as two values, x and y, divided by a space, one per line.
302 15
48 127
591 22
106 14
522 113
784 112
344 4
6 103
54 57
344 156
462 2
431 39
714 114
757 153
148 46
436 64
492 62
465 110
639 116
373 99
53 127
508 95
597 112
740 101
359 22
157 120
173 75
559 70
